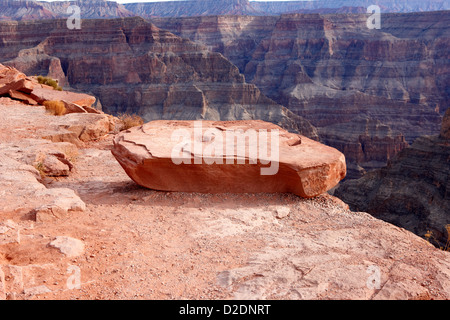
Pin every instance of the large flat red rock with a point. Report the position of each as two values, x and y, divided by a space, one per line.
182 156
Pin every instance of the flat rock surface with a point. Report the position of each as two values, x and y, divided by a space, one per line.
292 163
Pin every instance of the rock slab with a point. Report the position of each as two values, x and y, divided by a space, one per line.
177 156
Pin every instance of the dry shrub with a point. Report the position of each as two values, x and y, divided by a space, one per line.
56 108
131 120
49 82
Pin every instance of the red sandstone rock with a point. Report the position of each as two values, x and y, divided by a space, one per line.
9 74
302 166
17 95
16 84
22 85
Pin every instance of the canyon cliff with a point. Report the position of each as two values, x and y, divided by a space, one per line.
412 191
135 67
244 7
333 70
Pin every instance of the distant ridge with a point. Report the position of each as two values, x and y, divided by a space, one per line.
41 10
102 9
245 7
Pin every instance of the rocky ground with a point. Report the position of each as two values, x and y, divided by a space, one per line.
95 234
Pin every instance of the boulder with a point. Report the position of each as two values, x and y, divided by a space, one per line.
9 74
207 157
23 85
17 95
71 247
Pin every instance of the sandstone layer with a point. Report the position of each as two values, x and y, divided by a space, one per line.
412 191
137 68
221 157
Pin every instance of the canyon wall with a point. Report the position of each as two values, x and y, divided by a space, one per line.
244 7
134 67
412 191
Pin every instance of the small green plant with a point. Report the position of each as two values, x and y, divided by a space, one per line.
49 82
131 120
56 108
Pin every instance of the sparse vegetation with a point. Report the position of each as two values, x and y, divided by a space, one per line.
49 82
429 236
56 108
131 120
40 167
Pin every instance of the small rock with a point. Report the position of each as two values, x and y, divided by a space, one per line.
282 212
69 246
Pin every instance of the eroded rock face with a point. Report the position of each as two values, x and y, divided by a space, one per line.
18 86
144 70
367 144
412 191
209 159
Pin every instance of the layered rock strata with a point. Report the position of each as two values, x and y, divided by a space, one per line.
412 191
135 67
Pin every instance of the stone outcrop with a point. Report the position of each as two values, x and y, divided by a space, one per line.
147 71
332 69
412 191
221 157
367 144
18 86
